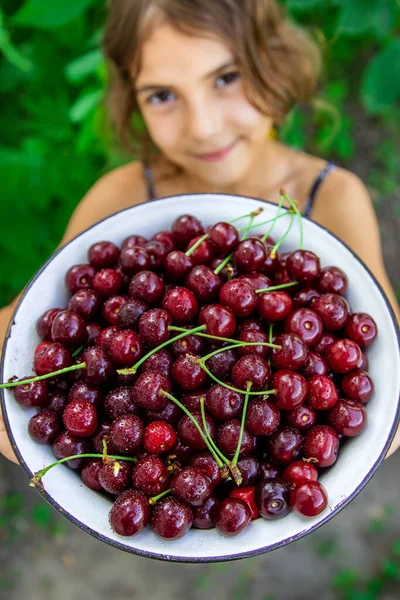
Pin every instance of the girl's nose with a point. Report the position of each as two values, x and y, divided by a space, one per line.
204 121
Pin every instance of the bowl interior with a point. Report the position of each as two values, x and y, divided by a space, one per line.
358 459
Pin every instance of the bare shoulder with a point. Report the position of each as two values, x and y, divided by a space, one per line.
341 198
119 189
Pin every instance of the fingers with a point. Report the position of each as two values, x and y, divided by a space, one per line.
5 445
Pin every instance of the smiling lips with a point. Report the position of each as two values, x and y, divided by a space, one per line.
219 155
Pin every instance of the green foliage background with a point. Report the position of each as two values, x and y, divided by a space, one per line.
55 140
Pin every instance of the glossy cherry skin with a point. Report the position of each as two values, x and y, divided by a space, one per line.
332 280
358 385
361 328
315 365
219 320
247 494
306 323
262 418
233 516
303 417
252 336
130 513
300 472
191 485
322 393
321 443
274 306
204 283
291 389
250 255
343 355
309 499
284 446
185 228
293 352
69 329
303 265
150 476
224 237
251 368
171 518
153 327
159 437
44 427
333 310
223 404
181 304
348 417
239 296
272 498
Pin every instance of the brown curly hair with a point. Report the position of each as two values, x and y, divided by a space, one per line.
280 64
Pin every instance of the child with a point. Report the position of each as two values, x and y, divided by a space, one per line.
211 80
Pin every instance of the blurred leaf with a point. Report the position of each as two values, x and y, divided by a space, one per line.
85 105
12 54
49 14
304 4
358 17
380 87
79 69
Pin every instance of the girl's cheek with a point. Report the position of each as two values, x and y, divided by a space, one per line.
164 130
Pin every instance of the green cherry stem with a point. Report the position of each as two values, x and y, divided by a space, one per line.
222 339
229 387
36 480
238 345
154 499
298 213
279 242
217 450
46 376
135 367
274 220
273 288
264 222
252 215
195 423
223 264
237 476
196 244
246 231
78 351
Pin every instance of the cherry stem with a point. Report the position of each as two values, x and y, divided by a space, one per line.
46 376
223 263
238 345
254 213
279 242
196 244
195 423
298 213
274 220
272 288
154 499
252 216
222 339
271 326
217 450
236 455
229 387
263 223
78 351
106 457
246 231
132 370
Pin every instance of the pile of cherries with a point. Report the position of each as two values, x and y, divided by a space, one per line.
237 417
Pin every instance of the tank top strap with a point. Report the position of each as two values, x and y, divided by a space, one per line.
329 167
148 175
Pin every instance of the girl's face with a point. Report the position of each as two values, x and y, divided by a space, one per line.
191 96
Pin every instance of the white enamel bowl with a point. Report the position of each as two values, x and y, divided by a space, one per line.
358 459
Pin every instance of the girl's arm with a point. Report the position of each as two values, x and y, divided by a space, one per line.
344 207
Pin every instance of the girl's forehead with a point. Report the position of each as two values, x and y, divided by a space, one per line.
168 51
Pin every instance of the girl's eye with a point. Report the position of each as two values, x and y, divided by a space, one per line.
227 78
161 97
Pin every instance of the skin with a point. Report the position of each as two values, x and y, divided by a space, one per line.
196 107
